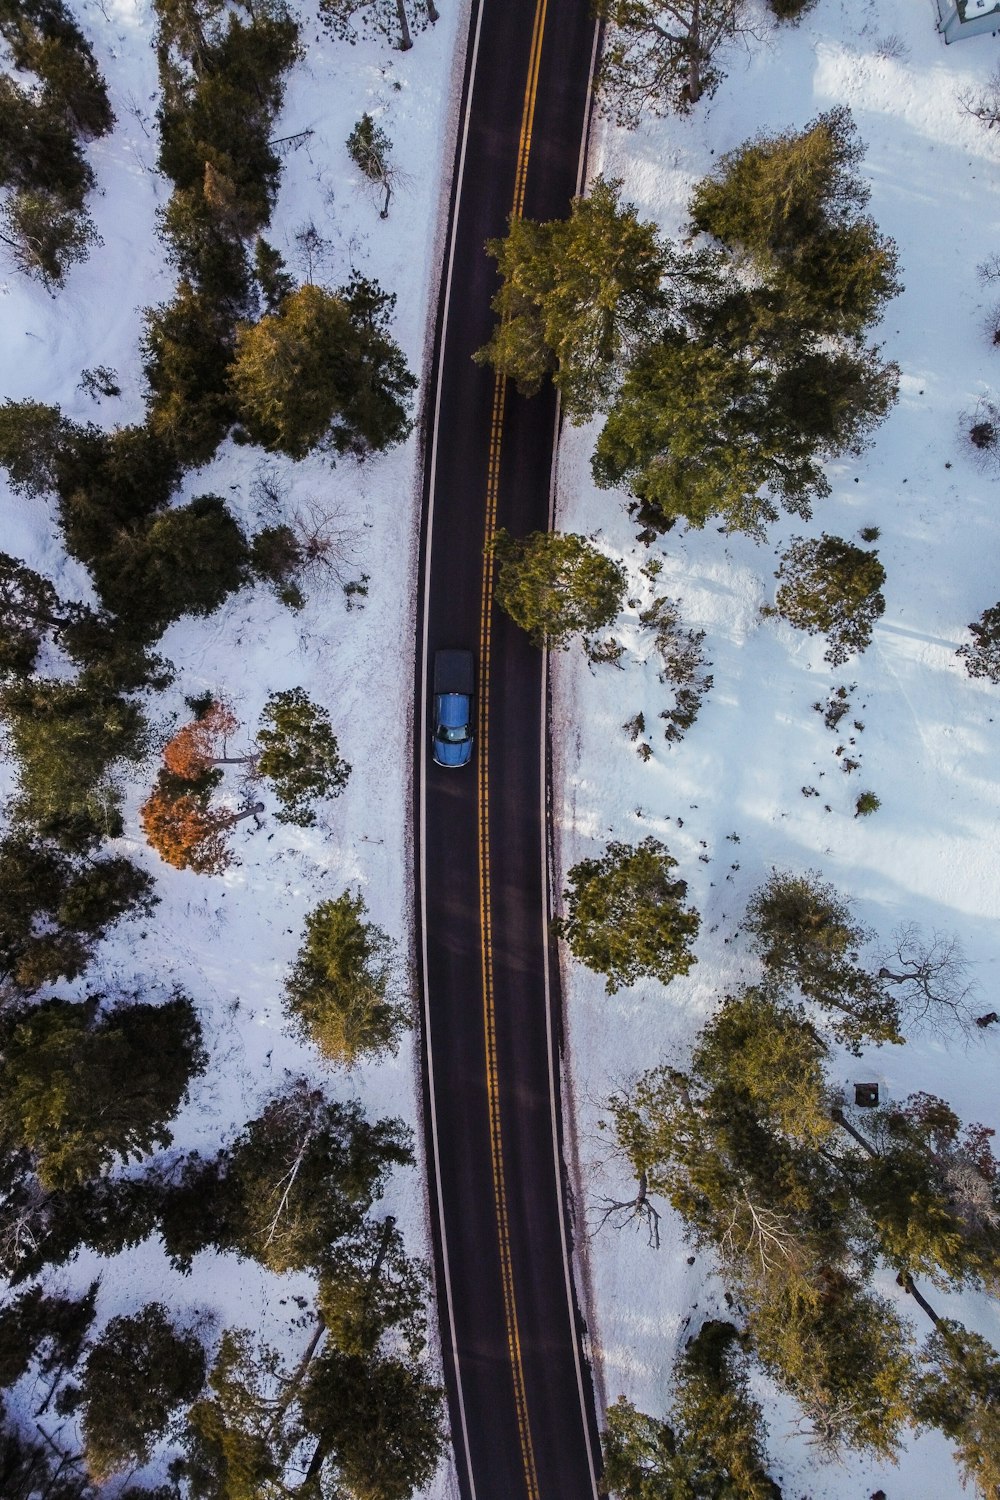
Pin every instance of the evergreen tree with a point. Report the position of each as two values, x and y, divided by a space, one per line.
361 1425
300 1177
982 658
742 1146
45 1331
100 892
66 738
29 609
556 584
39 1229
736 1149
624 915
137 1374
719 419
187 560
79 1089
277 555
204 227
711 1447
187 346
52 912
323 372
791 205
44 236
372 1293
931 1192
661 55
31 1470
377 1424
368 146
957 1390
32 436
808 938
45 40
340 990
578 297
271 275
236 1444
299 755
831 587
109 484
843 1353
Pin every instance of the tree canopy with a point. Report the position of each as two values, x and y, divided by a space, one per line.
80 1088
578 297
624 915
556 585
828 586
340 992
324 372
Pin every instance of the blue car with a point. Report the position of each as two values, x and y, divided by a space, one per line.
454 680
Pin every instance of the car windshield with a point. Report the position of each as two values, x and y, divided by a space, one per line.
453 734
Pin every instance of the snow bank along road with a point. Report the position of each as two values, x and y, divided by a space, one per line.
519 1389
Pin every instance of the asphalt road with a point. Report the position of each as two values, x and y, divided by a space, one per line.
519 1390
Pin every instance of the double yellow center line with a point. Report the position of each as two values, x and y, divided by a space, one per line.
485 897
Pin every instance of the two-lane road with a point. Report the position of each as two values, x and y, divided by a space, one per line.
520 1392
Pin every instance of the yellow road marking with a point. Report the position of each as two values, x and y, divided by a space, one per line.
485 895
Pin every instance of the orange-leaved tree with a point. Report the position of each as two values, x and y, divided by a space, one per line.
184 830
177 817
195 748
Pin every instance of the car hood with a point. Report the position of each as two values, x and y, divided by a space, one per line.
452 755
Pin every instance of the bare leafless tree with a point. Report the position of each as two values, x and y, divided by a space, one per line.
980 428
983 102
660 55
639 1211
313 250
928 978
327 541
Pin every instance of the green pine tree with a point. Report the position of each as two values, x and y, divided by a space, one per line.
957 1390
625 917
300 1177
324 372
982 658
556 585
340 992
830 587
808 939
792 205
299 755
80 1089
47 1331
136 1376
578 297
711 1447
66 738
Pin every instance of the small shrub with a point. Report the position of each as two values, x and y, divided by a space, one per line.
870 533
98 382
866 804
981 428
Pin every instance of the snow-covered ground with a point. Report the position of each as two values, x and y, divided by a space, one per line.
728 801
227 941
